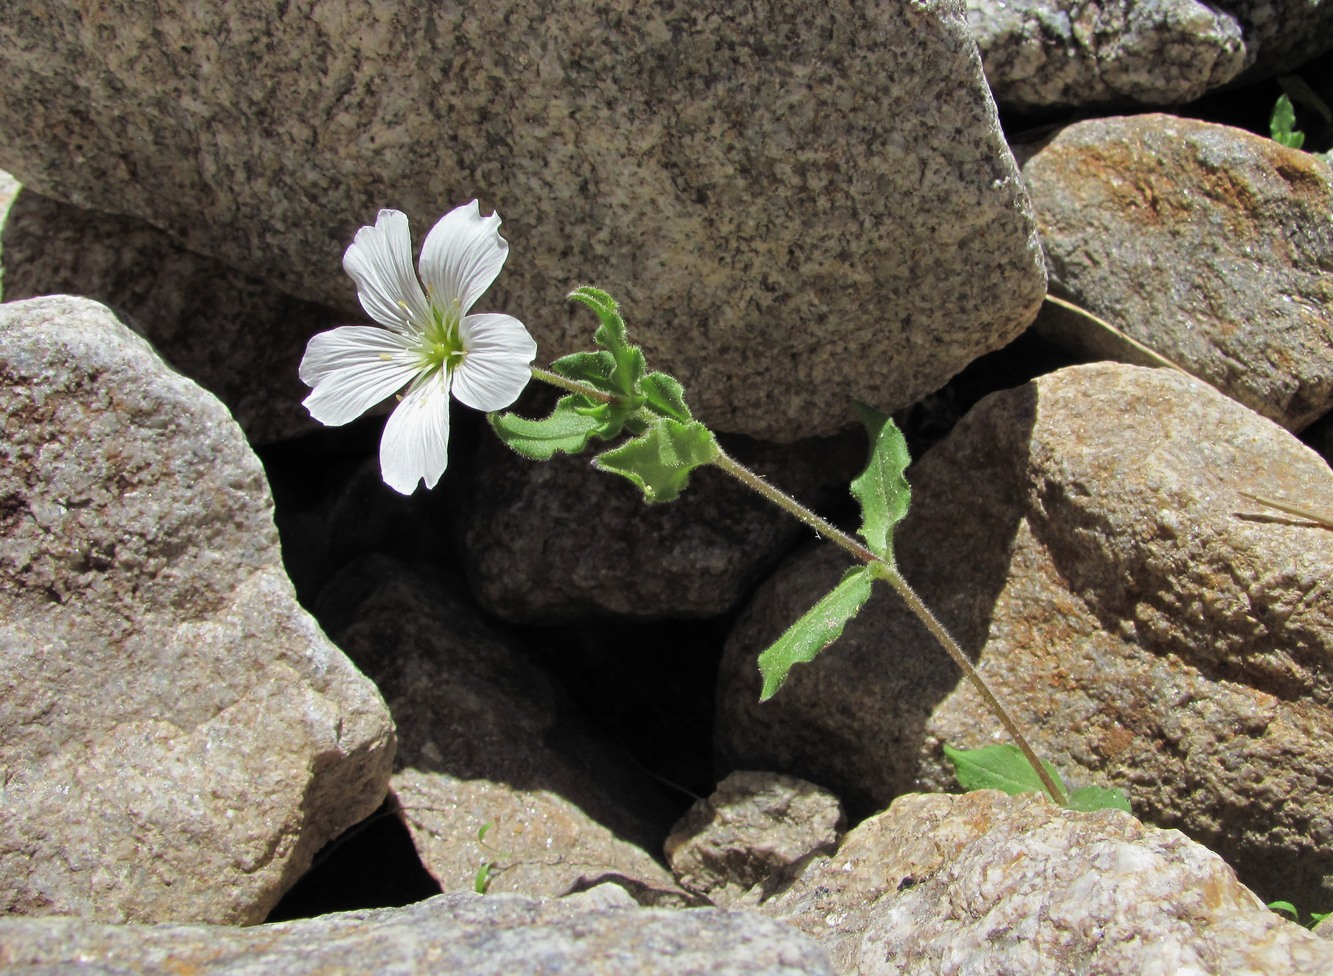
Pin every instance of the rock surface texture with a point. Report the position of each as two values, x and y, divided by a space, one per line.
177 734
600 933
753 826
1210 245
485 738
1042 54
232 334
1086 538
991 884
800 204
549 542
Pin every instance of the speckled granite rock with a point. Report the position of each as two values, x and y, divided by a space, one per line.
1084 536
235 336
1209 244
596 934
549 542
179 737
809 203
1041 54
751 827
991 884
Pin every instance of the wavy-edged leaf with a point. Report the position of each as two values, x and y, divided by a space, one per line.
817 629
572 423
881 488
660 460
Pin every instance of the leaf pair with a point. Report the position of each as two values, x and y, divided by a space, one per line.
667 443
884 496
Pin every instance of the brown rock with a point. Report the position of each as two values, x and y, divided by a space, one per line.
178 736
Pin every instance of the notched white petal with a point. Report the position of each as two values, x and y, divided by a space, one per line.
462 255
415 445
496 368
352 368
380 262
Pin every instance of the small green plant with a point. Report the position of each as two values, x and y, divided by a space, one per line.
1287 908
1282 124
486 870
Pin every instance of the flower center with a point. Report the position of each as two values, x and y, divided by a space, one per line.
441 344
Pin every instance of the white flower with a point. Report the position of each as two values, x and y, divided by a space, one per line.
428 344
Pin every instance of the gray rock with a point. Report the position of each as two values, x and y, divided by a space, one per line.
551 542
1086 540
179 737
798 204
494 935
1208 244
531 841
485 737
232 334
753 826
991 884
1281 35
1041 54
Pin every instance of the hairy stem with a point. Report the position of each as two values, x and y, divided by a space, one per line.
889 573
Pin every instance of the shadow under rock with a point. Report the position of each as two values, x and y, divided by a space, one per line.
372 864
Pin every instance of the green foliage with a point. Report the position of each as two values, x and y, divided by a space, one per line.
820 627
660 460
884 496
1005 768
572 423
482 879
881 489
1283 122
1287 908
620 397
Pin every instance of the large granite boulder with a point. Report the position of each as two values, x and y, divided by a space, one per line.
799 204
178 736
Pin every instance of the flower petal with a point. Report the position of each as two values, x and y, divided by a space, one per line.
380 262
495 369
462 255
415 445
352 368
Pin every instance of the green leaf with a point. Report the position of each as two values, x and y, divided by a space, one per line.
1090 798
660 460
1287 907
881 489
1300 93
594 368
1282 122
666 396
482 880
574 421
610 335
819 628
998 767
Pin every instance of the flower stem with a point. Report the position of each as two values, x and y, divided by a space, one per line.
572 386
887 571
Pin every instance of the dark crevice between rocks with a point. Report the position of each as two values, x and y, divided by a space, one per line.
372 864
